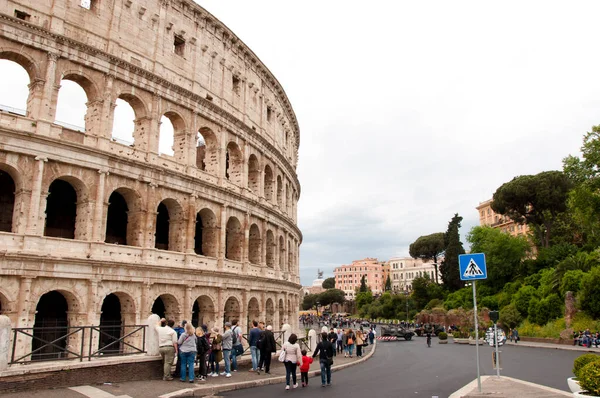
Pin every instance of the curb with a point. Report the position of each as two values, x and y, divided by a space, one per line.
469 388
201 391
557 347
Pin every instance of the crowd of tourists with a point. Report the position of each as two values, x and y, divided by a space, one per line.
586 339
209 348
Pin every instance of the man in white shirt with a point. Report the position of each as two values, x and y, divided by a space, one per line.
167 345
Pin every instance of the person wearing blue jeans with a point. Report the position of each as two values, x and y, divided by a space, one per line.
187 350
253 338
227 345
325 352
237 348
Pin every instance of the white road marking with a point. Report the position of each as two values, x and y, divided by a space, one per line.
93 392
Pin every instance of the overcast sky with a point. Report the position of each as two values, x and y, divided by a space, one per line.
411 111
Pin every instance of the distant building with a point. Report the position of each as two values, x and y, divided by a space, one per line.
348 277
488 217
317 285
403 270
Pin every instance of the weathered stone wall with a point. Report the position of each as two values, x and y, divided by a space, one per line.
165 58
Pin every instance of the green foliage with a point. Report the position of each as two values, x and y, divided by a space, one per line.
548 282
582 321
522 298
532 310
550 330
363 284
589 295
331 296
462 298
454 248
428 248
329 283
434 304
549 308
489 302
510 316
579 261
583 360
363 298
309 301
534 199
442 336
571 282
388 284
589 378
503 253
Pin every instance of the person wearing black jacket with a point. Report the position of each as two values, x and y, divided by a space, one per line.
325 351
332 336
203 351
267 346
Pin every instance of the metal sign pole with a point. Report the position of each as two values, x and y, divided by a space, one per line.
476 335
497 355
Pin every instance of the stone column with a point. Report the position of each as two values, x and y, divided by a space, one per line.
245 246
50 93
263 307
23 303
222 240
151 216
20 212
144 301
187 304
5 332
35 98
263 244
223 158
153 134
93 316
34 226
220 313
108 108
191 224
99 225
152 335
243 322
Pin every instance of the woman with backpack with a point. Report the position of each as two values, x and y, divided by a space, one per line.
202 341
216 352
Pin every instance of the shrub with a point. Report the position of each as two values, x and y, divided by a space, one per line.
522 298
589 377
510 316
583 360
571 281
590 293
442 336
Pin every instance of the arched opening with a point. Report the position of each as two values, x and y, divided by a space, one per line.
166 138
270 313
162 227
253 174
281 309
289 310
234 240
50 326
111 325
7 201
281 254
254 245
209 153
203 312
268 184
288 199
116 219
279 193
198 236
123 122
207 234
231 310
271 247
166 306
61 210
14 92
71 105
234 164
253 311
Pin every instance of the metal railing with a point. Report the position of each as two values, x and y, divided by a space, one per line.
70 342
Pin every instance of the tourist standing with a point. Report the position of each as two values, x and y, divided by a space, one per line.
325 351
360 340
236 344
227 346
340 340
216 351
515 335
306 361
187 353
253 338
293 358
267 348
203 343
167 345
332 336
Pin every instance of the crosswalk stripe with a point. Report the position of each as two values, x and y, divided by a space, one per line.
93 392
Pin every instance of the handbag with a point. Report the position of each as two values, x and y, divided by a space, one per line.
350 341
282 355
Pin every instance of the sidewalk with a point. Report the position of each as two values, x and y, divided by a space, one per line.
553 346
172 389
507 387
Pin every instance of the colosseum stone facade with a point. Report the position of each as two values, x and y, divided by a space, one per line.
99 231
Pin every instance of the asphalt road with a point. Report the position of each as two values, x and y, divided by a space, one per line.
410 369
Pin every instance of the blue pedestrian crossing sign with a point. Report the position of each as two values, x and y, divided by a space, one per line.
472 266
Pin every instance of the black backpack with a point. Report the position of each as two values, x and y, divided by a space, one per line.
234 336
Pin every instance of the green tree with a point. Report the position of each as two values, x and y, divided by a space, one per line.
454 248
363 284
388 284
510 316
429 248
537 200
309 301
329 283
589 295
331 296
571 282
503 253
522 298
363 299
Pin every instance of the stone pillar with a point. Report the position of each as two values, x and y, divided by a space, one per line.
34 226
35 98
144 301
263 307
287 331
246 244
23 303
50 93
263 244
187 304
108 108
152 335
312 339
220 313
20 212
99 224
93 316
222 249
191 224
243 322
154 132
151 216
5 332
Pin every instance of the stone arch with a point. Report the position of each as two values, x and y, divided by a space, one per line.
124 218
232 309
290 256
16 88
169 224
234 163
254 245
271 249
253 174
279 193
69 110
166 306
7 201
270 312
268 183
234 239
206 239
207 155
289 310
139 125
282 254
253 313
203 311
66 204
178 140
23 59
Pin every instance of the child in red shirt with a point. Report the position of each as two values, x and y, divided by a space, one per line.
306 361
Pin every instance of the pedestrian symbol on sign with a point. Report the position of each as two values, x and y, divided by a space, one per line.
472 270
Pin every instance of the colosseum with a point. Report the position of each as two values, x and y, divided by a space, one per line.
98 230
